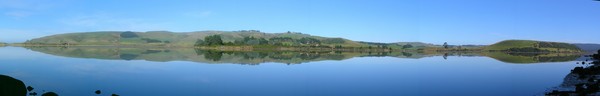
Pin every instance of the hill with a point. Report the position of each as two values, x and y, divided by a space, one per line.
588 47
532 46
183 39
190 39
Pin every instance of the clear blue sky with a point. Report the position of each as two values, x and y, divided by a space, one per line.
431 21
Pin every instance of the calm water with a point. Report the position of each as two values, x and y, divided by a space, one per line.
189 72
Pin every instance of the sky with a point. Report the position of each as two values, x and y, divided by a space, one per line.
432 21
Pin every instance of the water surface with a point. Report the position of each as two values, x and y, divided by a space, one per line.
191 72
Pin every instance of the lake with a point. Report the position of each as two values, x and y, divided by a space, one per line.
80 71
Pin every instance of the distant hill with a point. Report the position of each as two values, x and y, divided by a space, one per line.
588 47
187 39
417 44
400 45
532 46
166 38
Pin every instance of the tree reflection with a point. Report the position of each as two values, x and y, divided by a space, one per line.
285 57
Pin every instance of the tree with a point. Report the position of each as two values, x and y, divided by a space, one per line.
407 46
128 34
307 40
200 43
213 40
446 45
338 47
263 41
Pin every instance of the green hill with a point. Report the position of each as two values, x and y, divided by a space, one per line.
532 46
181 39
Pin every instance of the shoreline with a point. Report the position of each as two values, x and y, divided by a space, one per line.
292 48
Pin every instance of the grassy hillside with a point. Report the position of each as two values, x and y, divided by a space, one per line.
588 47
532 46
165 38
189 39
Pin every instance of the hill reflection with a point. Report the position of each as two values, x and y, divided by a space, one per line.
287 57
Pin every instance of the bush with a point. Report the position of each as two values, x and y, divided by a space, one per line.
526 49
334 41
128 34
213 40
407 46
557 45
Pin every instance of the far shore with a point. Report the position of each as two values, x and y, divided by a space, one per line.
284 48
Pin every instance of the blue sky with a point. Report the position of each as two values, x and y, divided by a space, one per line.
431 21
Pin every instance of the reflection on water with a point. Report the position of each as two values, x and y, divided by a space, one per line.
287 57
524 58
150 72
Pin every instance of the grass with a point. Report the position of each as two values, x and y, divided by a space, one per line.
174 39
504 45
556 46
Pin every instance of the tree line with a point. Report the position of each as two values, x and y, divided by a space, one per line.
217 40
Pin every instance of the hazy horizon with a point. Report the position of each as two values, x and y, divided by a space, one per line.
458 22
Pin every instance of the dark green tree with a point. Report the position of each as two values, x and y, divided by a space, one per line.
445 45
307 40
214 40
128 34
407 46
200 42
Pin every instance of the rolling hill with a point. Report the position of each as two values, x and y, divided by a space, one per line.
588 47
532 46
188 39
166 38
